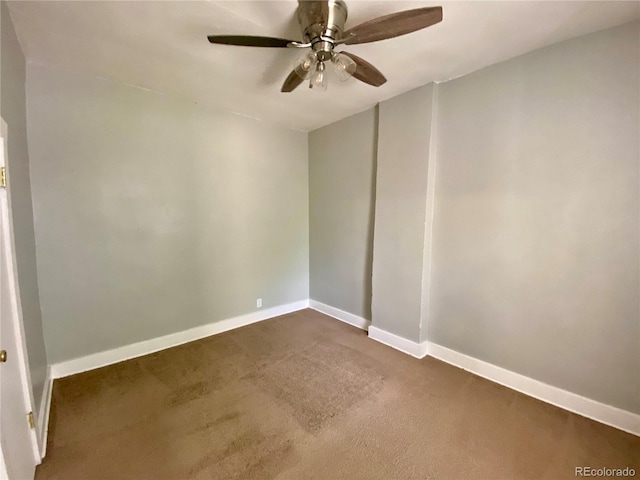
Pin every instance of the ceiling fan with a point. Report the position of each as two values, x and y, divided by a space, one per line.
322 23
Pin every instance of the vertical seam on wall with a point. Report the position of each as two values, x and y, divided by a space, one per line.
374 194
309 214
27 116
429 217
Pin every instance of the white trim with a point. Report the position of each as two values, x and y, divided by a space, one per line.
3 465
14 288
607 414
43 414
418 350
600 412
341 315
108 357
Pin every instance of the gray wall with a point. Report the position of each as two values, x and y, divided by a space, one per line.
342 164
535 249
13 111
401 192
535 261
154 215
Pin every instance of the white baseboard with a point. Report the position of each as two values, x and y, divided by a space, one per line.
418 350
607 414
600 412
108 357
43 413
341 315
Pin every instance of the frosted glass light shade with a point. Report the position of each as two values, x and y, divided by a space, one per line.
304 65
344 66
318 79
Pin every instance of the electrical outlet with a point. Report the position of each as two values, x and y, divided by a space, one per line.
259 303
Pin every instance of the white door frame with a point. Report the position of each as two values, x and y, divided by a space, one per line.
21 347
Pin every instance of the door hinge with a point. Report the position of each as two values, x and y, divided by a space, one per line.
3 177
32 422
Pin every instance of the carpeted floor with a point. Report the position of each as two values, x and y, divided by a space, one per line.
304 396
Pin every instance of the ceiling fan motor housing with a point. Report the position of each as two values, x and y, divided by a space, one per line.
322 22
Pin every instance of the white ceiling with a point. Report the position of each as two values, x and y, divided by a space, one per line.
162 46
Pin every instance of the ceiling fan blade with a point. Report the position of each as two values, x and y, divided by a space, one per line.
365 72
393 25
291 82
250 41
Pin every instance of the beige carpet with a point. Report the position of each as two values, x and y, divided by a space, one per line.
304 396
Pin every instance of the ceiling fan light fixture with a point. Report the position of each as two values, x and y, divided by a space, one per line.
304 65
322 23
344 66
318 80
